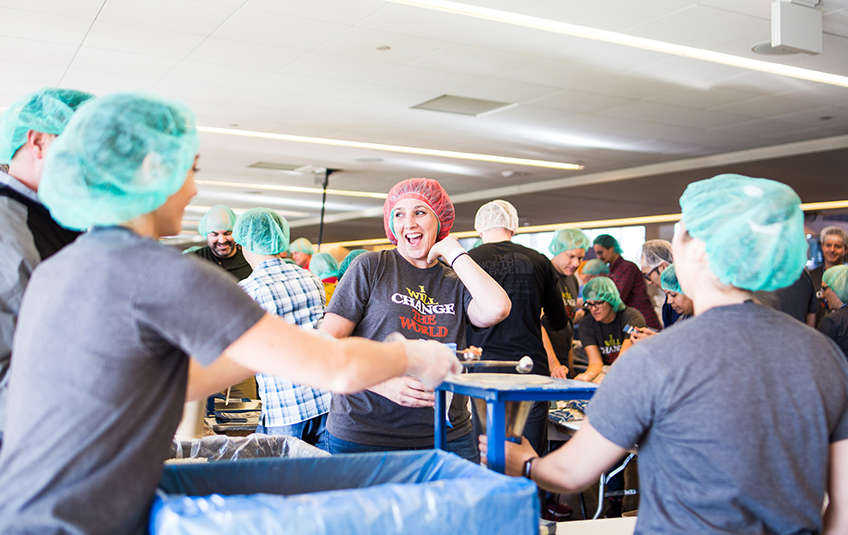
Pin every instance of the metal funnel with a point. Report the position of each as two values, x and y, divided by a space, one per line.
515 417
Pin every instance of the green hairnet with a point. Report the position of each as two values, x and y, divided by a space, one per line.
566 239
47 110
121 156
218 218
348 259
753 229
605 240
654 253
496 214
836 279
668 280
302 245
595 267
477 243
603 289
324 266
262 231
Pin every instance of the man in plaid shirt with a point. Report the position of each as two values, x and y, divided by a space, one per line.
283 288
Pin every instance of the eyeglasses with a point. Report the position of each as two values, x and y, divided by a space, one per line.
820 293
593 304
648 274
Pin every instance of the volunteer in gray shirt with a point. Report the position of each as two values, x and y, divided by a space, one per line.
740 414
107 324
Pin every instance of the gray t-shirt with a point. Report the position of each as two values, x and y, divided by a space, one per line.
382 293
561 339
99 378
609 336
733 411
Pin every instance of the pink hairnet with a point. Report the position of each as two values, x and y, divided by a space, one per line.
428 191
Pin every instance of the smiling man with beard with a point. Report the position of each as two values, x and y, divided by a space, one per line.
217 226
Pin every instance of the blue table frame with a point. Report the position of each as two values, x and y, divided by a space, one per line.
496 398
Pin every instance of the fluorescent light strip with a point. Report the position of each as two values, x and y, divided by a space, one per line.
294 189
600 223
627 40
393 148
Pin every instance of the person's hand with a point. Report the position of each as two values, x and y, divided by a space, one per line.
640 333
430 361
585 376
599 378
560 372
443 249
516 454
407 392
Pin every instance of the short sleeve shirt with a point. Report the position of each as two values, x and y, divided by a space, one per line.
561 338
733 412
609 336
382 293
99 379
835 327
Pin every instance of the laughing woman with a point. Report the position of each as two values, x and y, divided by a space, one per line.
407 290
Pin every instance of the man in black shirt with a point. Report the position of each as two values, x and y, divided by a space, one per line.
528 278
222 249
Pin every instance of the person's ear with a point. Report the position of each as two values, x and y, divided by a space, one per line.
37 143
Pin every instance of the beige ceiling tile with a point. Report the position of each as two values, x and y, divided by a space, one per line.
615 15
521 40
426 23
184 16
36 52
277 100
43 26
363 42
700 26
502 90
40 74
86 9
703 97
97 59
192 91
764 107
428 80
339 68
278 30
244 54
674 115
141 40
223 75
101 82
311 86
338 11
387 96
473 60
579 101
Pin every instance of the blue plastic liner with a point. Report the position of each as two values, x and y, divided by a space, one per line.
426 493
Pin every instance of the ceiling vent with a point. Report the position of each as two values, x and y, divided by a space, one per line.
462 105
276 166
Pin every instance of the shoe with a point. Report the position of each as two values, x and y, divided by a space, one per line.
614 506
557 512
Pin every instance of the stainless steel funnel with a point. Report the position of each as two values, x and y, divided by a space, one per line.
515 417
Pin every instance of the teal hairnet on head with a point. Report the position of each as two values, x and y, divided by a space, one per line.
302 245
595 267
47 110
262 231
603 289
120 156
668 280
753 229
324 266
566 239
605 240
348 259
836 279
218 218
477 243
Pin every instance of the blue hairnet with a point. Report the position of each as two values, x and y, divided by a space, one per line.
655 252
836 279
566 239
121 156
605 240
753 229
262 231
348 259
324 266
302 245
47 110
496 214
603 289
218 218
668 280
595 267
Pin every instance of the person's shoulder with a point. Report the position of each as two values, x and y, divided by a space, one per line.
631 314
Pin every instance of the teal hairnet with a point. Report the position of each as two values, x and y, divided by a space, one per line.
302 245
496 214
121 156
348 259
603 289
668 280
605 240
836 279
47 110
654 253
324 266
262 231
218 218
477 243
753 229
566 239
595 267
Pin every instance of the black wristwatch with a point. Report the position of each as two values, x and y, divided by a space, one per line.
527 465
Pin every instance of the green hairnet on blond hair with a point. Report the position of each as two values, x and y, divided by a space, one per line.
566 239
47 110
302 245
836 279
668 280
603 289
262 231
753 229
120 156
324 266
218 218
605 240
348 260
595 267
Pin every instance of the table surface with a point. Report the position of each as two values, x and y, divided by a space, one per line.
604 526
554 390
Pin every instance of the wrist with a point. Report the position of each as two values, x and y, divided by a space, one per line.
528 467
454 254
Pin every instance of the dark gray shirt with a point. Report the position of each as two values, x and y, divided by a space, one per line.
99 378
733 411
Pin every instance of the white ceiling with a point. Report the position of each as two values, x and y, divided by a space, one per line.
312 68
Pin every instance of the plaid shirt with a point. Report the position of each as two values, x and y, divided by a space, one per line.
630 282
297 296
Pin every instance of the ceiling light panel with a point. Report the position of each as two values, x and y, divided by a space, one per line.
461 105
